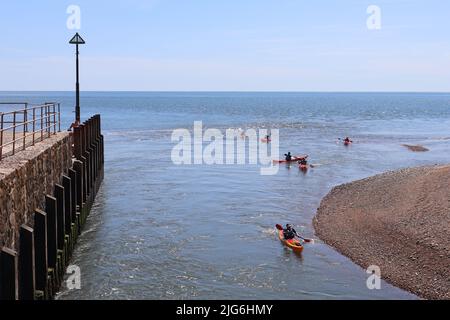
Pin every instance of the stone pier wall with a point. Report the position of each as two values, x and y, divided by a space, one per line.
62 176
26 178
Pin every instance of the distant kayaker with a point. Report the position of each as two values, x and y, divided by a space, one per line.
290 233
303 162
347 140
268 137
288 156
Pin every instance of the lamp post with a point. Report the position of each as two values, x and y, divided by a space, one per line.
77 40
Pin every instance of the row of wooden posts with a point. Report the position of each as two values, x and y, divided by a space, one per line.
36 270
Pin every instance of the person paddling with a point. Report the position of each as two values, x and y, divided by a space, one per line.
289 232
288 156
289 227
347 140
303 162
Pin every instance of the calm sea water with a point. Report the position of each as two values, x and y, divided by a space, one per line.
160 231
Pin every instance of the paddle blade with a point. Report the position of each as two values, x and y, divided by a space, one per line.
279 227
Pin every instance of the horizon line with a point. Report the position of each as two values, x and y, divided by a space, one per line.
224 91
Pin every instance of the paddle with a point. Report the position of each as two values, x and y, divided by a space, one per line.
300 157
279 227
293 158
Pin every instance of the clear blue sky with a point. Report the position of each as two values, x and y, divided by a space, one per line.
248 45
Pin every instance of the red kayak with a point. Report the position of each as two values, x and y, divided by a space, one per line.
294 159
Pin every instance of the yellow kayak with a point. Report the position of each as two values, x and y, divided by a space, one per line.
292 243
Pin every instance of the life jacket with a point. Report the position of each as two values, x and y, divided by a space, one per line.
288 234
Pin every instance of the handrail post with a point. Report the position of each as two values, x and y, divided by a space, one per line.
34 124
24 137
54 118
24 128
25 116
1 136
42 123
46 119
59 117
14 132
49 125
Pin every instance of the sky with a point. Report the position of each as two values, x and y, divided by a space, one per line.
227 45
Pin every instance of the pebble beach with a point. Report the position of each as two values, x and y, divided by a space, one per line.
399 221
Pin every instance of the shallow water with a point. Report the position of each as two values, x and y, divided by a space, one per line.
161 231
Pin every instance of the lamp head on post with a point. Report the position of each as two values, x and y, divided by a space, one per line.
77 40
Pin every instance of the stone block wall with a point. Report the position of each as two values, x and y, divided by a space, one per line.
26 178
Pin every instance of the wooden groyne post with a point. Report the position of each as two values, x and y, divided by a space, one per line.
9 287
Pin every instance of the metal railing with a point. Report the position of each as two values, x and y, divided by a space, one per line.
24 127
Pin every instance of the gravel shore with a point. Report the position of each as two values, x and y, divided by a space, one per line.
399 221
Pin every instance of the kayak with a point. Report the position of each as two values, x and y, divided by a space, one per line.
294 159
266 140
295 245
303 167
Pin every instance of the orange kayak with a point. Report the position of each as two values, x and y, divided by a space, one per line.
292 243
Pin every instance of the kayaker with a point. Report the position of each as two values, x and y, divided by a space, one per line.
289 233
268 138
288 156
347 140
303 162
